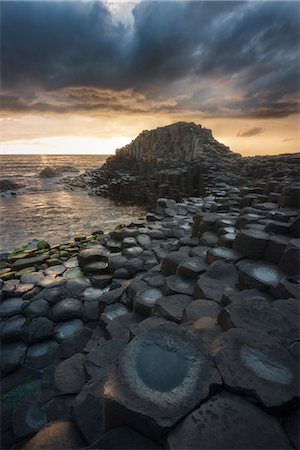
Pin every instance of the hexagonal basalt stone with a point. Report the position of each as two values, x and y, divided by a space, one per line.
172 307
68 308
228 422
76 286
96 268
69 376
171 262
212 283
192 267
256 364
42 354
223 253
247 294
175 284
91 255
12 355
260 275
199 309
253 314
68 330
161 376
251 243
145 300
37 308
12 306
290 260
13 328
39 329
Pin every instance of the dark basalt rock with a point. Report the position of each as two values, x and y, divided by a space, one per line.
160 377
199 309
192 267
12 356
68 308
56 436
42 354
172 307
259 275
88 411
124 438
12 329
69 376
12 307
228 422
212 283
37 308
28 419
99 361
145 300
251 243
255 364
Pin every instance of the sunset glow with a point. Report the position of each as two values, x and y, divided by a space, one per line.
88 77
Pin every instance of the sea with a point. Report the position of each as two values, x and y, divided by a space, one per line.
45 209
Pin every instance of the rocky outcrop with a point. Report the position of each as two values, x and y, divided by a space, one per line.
51 172
9 185
178 161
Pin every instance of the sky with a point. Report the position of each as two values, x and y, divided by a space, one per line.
87 77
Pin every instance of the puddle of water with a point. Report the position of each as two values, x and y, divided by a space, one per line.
161 368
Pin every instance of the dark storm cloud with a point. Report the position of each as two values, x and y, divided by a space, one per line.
251 132
249 47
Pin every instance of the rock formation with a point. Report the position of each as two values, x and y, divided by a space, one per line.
177 161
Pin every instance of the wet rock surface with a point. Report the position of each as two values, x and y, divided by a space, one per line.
167 331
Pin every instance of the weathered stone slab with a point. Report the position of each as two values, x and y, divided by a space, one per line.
13 329
256 364
260 275
37 308
254 314
69 376
68 329
88 410
42 354
146 325
200 308
145 300
213 282
35 261
251 243
175 284
57 436
229 422
290 260
12 356
68 308
171 262
98 362
172 307
246 294
192 267
12 306
223 253
161 376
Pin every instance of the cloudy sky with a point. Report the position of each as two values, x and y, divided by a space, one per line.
84 76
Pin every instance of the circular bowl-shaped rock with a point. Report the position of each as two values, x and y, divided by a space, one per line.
161 376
